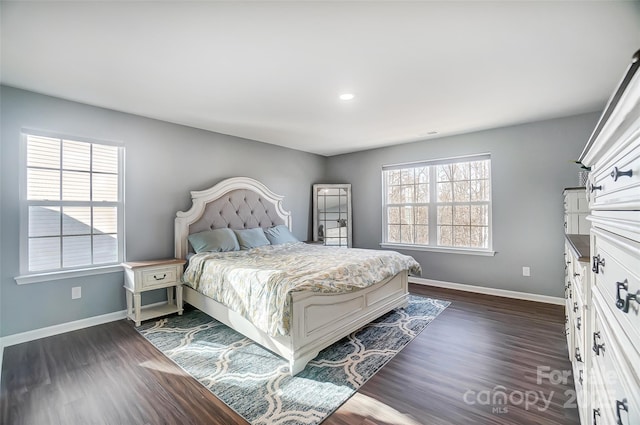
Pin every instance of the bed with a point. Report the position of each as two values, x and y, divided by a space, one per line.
315 319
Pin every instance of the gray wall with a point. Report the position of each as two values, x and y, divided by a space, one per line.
530 167
163 163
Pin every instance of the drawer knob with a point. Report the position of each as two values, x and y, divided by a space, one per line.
160 278
623 303
597 263
578 322
596 413
578 356
576 274
575 307
621 405
581 380
594 188
617 173
597 347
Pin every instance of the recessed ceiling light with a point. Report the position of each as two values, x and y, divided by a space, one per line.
347 96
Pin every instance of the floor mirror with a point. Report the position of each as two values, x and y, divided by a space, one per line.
332 214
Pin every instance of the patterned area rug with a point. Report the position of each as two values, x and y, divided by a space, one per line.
255 382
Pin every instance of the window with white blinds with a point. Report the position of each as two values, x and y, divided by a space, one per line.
443 204
72 209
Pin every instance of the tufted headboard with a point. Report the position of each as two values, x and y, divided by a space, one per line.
237 203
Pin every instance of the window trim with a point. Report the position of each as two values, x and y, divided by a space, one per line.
433 207
448 250
27 276
67 274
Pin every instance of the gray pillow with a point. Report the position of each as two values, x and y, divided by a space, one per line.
279 234
251 238
216 240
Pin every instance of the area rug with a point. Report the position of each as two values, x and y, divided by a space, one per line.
255 382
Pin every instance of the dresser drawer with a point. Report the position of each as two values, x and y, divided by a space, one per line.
575 223
615 184
623 223
576 201
159 276
580 277
617 279
614 382
568 260
577 266
569 328
579 324
598 414
581 384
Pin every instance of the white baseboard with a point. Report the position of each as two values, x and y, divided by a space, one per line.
489 291
66 327
19 338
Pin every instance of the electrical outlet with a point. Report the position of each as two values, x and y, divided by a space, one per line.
526 271
76 292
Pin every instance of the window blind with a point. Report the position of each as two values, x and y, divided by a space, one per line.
73 203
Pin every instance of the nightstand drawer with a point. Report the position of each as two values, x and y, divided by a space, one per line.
158 276
140 276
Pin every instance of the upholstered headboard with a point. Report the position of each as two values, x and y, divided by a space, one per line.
236 203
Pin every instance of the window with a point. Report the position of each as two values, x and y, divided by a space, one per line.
440 204
72 209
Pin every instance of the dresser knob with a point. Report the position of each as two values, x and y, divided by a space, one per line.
594 188
578 356
621 405
617 173
597 263
596 413
597 347
623 303
578 322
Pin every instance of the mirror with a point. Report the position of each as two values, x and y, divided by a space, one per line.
332 214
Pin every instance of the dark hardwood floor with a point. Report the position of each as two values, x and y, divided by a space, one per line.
479 351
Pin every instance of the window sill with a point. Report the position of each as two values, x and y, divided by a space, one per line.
467 251
66 274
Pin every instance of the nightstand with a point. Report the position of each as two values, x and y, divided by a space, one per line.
141 276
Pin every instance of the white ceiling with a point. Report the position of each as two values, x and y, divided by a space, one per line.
272 71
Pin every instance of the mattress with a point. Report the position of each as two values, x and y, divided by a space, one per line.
257 283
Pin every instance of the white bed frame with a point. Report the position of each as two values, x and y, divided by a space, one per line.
318 320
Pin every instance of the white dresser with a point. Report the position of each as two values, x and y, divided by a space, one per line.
577 287
609 344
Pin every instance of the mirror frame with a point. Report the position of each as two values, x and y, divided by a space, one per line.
347 188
